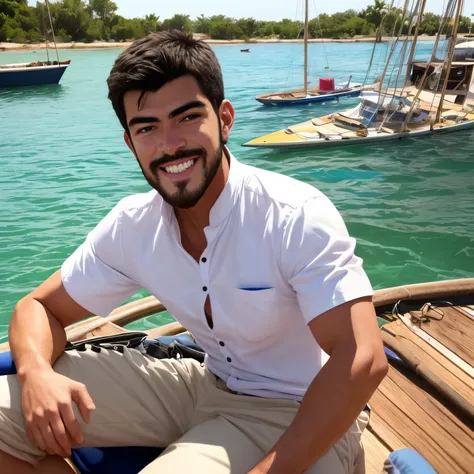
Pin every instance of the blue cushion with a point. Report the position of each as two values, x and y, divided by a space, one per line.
129 460
408 461
7 366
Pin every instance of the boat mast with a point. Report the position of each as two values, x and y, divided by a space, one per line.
415 39
306 47
52 30
452 44
420 85
394 45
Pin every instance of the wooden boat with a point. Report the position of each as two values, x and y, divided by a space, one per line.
326 91
32 74
425 403
436 96
35 73
245 50
311 96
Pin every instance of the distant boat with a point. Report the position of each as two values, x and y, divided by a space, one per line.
326 91
32 74
436 97
35 73
245 50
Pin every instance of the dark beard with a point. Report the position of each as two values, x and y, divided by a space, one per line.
182 198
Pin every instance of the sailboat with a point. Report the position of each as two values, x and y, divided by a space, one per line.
326 91
34 73
436 96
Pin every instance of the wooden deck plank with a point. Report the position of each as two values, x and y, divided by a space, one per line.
404 415
455 330
469 310
449 423
375 453
456 378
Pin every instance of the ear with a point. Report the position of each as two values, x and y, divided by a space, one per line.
129 143
226 116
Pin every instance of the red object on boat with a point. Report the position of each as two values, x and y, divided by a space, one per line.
326 84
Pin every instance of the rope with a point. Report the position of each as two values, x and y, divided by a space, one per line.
426 312
52 30
322 38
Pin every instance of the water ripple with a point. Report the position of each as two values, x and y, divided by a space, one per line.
64 165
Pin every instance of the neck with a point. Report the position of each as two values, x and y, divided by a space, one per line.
199 214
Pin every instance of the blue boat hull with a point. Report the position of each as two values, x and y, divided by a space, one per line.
37 76
309 100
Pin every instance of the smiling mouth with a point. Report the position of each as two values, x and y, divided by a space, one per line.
175 169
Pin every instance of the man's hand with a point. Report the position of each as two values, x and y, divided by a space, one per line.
47 407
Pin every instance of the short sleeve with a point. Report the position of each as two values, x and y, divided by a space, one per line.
95 275
318 259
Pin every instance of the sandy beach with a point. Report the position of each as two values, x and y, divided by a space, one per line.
124 44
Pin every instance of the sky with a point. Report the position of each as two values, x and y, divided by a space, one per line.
258 9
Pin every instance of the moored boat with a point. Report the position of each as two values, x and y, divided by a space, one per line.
432 97
422 414
326 91
35 73
32 74
323 93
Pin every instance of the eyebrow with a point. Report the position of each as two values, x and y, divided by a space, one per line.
174 113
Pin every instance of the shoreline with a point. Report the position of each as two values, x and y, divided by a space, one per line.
4 47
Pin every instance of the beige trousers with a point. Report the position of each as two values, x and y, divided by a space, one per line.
142 401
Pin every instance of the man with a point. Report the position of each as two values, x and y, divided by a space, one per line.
258 266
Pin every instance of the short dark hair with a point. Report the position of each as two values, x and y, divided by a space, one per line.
149 63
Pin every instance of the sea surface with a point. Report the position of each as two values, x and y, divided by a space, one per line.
64 165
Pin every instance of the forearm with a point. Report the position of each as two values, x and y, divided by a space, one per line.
331 404
36 337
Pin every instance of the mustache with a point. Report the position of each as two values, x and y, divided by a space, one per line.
165 159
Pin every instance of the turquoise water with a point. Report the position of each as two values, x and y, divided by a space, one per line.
63 165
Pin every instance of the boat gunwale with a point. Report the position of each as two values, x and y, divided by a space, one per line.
382 136
150 305
5 69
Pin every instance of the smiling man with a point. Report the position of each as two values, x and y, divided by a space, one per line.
258 266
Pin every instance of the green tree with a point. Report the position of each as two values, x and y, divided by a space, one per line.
430 24
103 10
178 22
353 26
202 25
373 14
150 23
464 24
226 30
248 26
290 29
72 17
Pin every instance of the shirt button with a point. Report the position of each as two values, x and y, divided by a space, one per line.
222 343
204 288
203 259
229 359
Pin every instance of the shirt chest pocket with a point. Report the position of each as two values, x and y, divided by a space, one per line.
261 315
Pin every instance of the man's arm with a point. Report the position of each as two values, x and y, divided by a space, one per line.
350 335
36 333
37 338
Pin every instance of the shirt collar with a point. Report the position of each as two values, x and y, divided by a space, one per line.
231 192
227 198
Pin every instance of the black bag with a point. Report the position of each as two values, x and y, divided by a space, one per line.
138 340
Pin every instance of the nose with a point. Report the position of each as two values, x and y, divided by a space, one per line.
172 141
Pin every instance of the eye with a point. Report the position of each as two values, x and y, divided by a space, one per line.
190 117
145 129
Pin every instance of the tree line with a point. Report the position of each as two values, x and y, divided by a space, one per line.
92 20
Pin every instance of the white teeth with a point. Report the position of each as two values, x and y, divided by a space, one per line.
179 168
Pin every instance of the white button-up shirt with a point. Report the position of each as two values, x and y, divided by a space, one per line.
278 255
